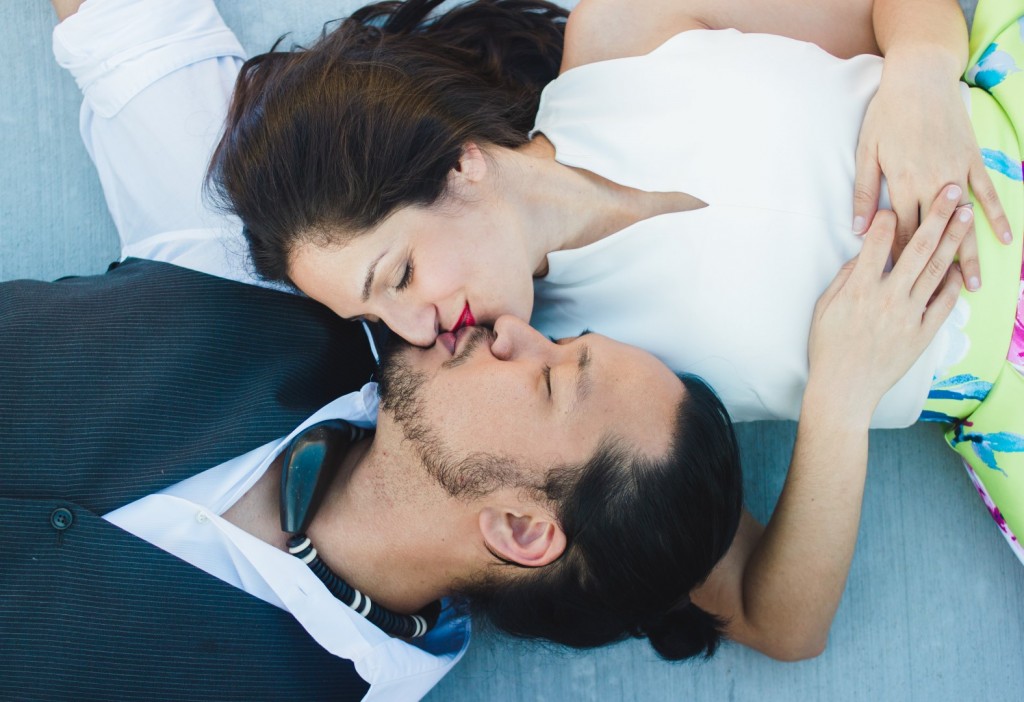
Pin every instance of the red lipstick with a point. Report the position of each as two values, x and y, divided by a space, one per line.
465 320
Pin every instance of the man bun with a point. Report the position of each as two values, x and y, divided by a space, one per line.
684 633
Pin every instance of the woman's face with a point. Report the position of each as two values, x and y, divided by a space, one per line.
423 270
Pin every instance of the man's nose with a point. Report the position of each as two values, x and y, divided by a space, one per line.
417 324
516 339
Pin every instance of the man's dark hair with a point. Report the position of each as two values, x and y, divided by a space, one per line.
332 139
641 534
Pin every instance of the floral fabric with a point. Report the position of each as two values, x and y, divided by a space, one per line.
982 396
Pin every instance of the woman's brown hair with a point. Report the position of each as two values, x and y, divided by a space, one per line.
329 140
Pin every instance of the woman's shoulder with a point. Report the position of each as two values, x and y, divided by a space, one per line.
601 30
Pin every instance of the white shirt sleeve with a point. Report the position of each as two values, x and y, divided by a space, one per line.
156 77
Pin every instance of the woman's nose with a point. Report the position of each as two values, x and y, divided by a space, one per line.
418 325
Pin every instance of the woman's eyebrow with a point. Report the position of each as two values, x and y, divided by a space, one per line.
368 282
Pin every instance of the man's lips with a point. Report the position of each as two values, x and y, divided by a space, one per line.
452 341
462 333
447 339
465 320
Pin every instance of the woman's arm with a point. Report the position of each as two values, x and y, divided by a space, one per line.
779 587
905 27
917 131
605 29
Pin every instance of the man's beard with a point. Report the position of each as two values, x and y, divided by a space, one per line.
401 391
400 386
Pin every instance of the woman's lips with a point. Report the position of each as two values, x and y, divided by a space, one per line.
465 320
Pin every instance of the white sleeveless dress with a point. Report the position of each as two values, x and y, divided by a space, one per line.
763 129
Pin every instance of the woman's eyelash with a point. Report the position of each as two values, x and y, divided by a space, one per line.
406 277
547 378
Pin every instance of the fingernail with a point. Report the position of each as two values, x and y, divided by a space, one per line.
1007 237
965 214
858 225
973 284
954 192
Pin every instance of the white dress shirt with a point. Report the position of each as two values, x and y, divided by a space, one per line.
156 78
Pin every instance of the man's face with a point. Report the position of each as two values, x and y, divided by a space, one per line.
512 400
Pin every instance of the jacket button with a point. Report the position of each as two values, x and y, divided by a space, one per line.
61 518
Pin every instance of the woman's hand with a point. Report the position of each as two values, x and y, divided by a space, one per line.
870 326
918 134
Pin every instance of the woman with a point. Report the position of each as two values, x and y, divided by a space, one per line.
357 185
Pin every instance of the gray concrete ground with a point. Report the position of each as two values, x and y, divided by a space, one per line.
932 610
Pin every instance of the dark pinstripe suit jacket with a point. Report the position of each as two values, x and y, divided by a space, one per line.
111 388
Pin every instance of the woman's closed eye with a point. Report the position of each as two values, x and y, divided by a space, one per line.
406 279
547 378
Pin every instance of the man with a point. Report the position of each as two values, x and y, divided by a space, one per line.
465 476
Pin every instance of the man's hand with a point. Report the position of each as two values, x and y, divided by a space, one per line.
869 326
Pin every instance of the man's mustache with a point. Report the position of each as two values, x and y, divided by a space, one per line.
475 338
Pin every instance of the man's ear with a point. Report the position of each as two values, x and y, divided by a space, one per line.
529 539
472 165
